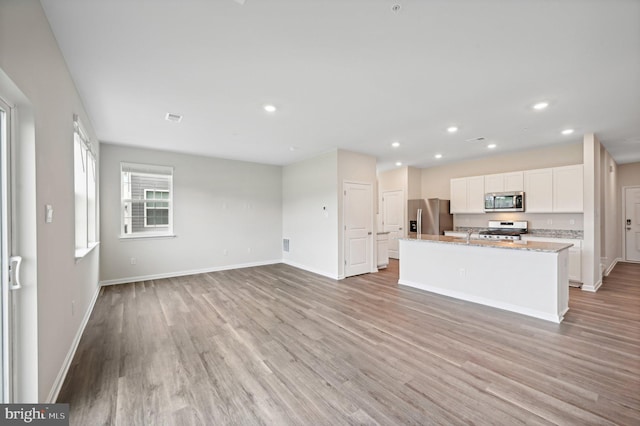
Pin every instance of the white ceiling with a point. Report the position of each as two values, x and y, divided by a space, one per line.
355 75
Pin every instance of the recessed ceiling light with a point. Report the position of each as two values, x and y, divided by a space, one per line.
438 156
395 144
270 108
176 118
540 105
398 163
567 131
452 129
491 145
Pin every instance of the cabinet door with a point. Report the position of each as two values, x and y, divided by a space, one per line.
568 189
458 196
538 191
513 181
475 194
494 183
575 264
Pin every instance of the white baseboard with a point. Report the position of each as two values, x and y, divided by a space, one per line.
183 273
306 268
592 288
613 265
62 374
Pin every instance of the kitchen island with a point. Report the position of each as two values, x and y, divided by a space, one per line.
526 277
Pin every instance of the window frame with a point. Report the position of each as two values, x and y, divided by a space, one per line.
154 200
85 184
166 231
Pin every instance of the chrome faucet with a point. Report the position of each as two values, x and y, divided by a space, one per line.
469 232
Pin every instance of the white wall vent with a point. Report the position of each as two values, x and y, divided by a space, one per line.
285 244
479 139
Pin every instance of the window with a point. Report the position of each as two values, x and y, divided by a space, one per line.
156 213
146 200
85 178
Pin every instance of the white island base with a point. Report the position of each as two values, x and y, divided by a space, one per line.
530 279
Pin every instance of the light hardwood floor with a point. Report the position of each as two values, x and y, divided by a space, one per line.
277 345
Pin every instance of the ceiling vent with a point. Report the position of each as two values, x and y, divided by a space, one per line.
480 139
176 118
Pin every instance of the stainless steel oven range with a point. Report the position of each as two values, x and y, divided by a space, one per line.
504 230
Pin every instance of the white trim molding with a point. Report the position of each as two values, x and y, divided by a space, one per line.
139 278
594 288
613 265
62 374
312 270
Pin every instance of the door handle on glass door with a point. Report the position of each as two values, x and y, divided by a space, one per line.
14 272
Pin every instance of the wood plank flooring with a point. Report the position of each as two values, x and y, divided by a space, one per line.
279 346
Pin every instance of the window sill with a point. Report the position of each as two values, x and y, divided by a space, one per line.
147 237
81 253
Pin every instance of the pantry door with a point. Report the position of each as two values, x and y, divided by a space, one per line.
358 229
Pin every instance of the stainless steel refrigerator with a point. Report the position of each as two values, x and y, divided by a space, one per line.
429 217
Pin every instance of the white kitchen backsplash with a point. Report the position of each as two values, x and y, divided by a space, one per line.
560 221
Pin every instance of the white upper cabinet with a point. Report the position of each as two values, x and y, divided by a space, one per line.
504 182
568 184
458 195
467 195
552 190
475 196
538 191
513 181
494 183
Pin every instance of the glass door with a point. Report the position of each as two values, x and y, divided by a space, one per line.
5 254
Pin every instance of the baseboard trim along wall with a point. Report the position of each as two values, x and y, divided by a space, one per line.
62 374
613 265
593 288
306 268
190 272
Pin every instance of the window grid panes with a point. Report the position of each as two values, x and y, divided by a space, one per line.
146 200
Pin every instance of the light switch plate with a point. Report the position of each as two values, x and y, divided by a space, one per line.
48 217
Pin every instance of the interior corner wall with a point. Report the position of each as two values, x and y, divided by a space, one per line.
610 206
414 183
31 59
591 244
356 168
310 214
226 213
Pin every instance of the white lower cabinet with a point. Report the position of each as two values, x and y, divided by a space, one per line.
575 255
382 239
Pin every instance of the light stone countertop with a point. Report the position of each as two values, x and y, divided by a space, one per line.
513 245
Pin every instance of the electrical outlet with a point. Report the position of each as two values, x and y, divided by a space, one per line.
133 260
549 221
462 272
572 222
225 252
248 249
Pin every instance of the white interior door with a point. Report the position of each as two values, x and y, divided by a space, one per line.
358 229
393 219
632 224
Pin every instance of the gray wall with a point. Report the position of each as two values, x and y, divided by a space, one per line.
62 289
226 214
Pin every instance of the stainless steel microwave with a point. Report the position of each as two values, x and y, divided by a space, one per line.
504 202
